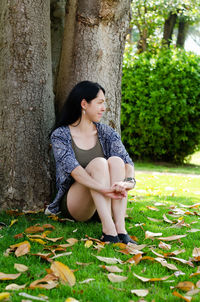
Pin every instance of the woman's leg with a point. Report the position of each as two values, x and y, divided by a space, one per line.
82 202
117 173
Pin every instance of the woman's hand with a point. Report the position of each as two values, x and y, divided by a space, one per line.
123 185
114 194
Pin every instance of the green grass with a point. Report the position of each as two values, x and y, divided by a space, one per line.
170 190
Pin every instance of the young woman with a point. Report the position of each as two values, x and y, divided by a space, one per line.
93 169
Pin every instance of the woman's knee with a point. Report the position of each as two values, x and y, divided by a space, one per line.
116 161
98 164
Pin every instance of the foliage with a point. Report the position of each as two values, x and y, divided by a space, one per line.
148 17
161 105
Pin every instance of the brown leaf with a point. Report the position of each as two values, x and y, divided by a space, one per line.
34 229
152 208
174 253
171 238
193 292
198 284
154 220
151 234
196 252
164 263
54 239
197 272
61 255
193 230
164 246
20 267
108 260
157 254
22 248
48 282
9 276
166 219
14 286
48 226
186 285
17 236
63 272
151 279
186 298
135 259
43 256
72 241
112 268
183 261
116 278
140 292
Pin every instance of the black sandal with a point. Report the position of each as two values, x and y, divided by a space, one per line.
125 238
109 238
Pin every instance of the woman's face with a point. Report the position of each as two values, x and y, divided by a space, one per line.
95 109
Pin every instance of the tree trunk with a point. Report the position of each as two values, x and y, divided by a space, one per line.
169 28
182 32
57 30
26 103
93 46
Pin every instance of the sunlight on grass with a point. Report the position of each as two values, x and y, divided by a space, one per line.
157 195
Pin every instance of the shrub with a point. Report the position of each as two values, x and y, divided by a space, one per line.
161 105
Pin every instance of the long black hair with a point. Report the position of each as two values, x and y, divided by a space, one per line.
71 111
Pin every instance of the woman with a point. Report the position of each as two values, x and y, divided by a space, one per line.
93 169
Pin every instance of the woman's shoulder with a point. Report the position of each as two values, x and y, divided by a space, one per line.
62 131
106 130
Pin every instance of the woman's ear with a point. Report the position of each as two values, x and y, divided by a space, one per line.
83 104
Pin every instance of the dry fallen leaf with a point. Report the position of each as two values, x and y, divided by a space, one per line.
193 230
32 297
183 261
48 282
164 263
197 272
14 286
170 238
12 222
151 234
193 292
71 300
21 248
166 219
9 276
174 253
152 208
40 241
196 254
108 260
20 267
87 281
112 268
186 298
198 284
88 243
164 246
186 285
83 264
72 241
4 296
154 220
34 229
135 259
63 272
116 278
61 255
151 279
140 292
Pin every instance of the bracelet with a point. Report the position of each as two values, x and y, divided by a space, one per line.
130 179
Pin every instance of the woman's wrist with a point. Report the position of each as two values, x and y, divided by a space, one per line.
130 180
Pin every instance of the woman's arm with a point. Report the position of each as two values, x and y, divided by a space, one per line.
82 177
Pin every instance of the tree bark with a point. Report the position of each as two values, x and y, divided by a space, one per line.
57 29
169 28
26 103
93 46
182 32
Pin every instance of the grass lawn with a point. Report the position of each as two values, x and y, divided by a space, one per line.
156 194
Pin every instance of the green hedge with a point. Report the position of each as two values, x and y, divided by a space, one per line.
161 105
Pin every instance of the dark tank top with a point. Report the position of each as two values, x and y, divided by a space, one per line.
85 156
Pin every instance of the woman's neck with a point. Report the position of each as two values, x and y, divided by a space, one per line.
85 126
